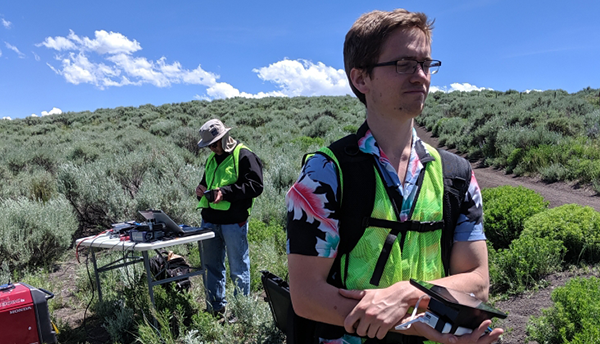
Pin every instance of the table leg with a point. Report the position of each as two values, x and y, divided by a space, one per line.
201 252
149 277
96 273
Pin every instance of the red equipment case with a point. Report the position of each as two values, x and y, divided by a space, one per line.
24 316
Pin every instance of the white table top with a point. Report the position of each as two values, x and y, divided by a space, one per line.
105 241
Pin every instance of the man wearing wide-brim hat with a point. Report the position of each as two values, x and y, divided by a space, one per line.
232 179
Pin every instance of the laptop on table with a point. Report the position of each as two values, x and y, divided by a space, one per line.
172 228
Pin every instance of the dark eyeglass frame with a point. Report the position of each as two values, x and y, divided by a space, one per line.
214 144
427 70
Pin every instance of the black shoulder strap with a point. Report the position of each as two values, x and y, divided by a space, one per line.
358 189
357 202
457 177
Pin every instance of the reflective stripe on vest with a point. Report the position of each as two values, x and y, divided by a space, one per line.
225 173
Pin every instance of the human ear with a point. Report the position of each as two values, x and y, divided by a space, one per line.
359 80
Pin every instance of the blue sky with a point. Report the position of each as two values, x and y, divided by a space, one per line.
60 56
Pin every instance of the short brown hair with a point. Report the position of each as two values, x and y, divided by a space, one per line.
367 35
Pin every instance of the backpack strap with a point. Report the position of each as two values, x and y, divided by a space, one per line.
457 177
356 170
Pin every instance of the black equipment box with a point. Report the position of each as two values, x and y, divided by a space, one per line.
145 236
278 296
24 315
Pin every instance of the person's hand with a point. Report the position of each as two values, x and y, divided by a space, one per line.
218 195
378 310
478 336
200 189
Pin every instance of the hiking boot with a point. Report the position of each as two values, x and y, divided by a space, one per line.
219 313
232 319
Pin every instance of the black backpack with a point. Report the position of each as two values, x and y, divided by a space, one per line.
162 267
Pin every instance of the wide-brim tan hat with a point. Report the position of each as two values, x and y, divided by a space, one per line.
211 131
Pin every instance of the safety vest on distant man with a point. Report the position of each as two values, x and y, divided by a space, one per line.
218 175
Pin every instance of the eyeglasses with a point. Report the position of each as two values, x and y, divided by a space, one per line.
214 144
409 66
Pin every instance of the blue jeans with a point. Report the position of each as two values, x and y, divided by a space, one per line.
232 238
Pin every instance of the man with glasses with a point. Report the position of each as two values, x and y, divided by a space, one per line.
338 233
232 179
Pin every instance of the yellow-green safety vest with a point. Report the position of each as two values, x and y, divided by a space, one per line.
218 175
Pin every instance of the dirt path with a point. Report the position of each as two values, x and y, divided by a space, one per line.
556 193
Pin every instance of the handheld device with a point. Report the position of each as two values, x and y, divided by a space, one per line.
453 311
210 195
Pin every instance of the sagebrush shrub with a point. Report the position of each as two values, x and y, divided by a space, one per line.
97 199
553 173
578 227
574 316
524 264
35 233
505 210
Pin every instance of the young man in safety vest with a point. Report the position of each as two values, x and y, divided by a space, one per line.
388 61
232 179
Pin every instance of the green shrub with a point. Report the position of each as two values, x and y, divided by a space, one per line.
514 158
554 173
186 138
267 250
350 128
164 128
584 170
259 231
524 264
505 210
83 153
320 127
35 233
120 324
574 316
43 186
306 142
577 227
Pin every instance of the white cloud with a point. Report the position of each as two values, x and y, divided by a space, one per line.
534 90
6 23
78 69
36 56
7 118
107 43
58 43
0 52
54 111
304 78
464 87
15 49
103 43
293 78
120 67
224 90
199 97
